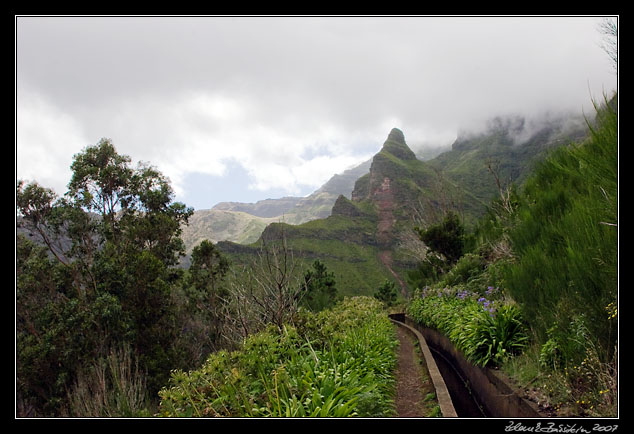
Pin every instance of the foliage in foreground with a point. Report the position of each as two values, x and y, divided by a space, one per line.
564 272
486 330
565 239
336 363
554 246
95 275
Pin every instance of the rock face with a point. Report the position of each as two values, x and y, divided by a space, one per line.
392 183
395 145
344 207
394 170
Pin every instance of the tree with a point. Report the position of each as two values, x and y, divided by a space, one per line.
206 296
319 290
609 29
445 238
208 268
387 293
267 290
114 237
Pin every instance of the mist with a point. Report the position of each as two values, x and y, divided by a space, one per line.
290 100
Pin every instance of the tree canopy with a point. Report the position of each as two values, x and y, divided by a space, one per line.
103 278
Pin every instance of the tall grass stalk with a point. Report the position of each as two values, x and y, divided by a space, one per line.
565 236
335 363
114 387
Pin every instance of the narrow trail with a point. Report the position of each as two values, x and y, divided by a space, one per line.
413 384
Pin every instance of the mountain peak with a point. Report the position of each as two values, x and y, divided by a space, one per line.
395 145
396 135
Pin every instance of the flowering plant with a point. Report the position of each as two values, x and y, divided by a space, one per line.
487 329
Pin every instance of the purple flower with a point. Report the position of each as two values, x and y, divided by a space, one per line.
484 302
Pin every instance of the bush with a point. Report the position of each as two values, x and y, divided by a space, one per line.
486 331
113 387
446 238
467 268
319 285
337 362
387 293
565 237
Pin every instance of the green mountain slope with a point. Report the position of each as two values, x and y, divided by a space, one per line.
244 222
369 237
510 146
359 241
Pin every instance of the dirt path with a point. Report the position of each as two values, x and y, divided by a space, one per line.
413 383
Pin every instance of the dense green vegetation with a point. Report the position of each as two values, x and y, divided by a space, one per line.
345 245
486 329
106 318
103 280
565 238
104 313
552 248
335 363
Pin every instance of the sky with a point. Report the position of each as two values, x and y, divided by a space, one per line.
248 108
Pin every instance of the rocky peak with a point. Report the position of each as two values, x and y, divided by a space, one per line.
387 166
344 207
395 145
396 135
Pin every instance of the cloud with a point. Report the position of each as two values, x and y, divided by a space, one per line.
47 139
291 100
206 133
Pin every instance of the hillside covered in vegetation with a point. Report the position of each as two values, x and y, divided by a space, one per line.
537 293
520 271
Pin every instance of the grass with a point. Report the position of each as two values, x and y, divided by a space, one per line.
587 389
336 363
565 239
487 331
559 265
345 245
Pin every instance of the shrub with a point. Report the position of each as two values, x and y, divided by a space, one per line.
320 287
446 238
486 331
565 237
467 268
114 387
336 362
387 293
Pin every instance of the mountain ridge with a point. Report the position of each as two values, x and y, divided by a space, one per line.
361 239
224 221
369 236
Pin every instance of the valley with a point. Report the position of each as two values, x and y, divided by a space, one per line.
360 223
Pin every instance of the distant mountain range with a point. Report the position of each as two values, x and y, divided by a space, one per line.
244 222
360 222
463 165
367 235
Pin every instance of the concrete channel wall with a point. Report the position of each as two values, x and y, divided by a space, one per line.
492 392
